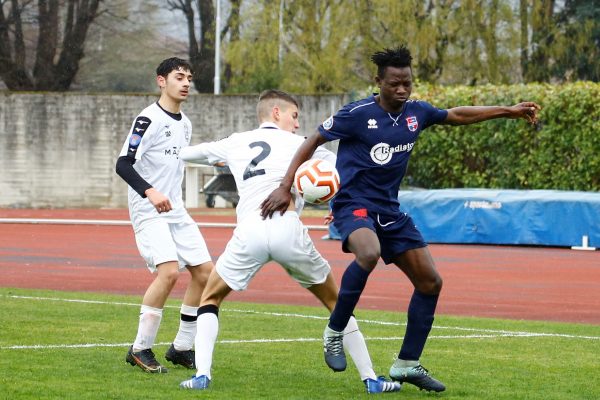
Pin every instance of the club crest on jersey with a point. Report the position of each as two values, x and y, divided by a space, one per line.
412 123
328 123
135 140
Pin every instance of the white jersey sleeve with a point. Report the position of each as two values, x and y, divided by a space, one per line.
206 153
141 136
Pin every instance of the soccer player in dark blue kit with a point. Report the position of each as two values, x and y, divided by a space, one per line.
376 137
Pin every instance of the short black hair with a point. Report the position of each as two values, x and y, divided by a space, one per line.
173 64
398 57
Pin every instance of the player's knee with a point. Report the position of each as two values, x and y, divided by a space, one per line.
170 277
437 284
201 273
368 258
431 286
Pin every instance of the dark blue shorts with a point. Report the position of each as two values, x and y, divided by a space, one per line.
397 233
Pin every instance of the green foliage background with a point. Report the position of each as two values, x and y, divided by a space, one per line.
562 152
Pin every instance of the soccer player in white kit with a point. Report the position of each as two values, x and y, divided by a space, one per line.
166 235
258 160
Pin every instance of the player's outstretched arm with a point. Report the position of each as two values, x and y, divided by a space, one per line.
280 198
195 154
466 115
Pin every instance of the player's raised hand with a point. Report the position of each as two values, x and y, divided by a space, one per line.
159 200
278 200
528 110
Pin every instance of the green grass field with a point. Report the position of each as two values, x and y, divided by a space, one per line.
64 345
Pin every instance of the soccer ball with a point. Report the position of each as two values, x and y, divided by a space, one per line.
317 181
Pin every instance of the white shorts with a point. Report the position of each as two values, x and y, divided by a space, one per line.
160 242
283 239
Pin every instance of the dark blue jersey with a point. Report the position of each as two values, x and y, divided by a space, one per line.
374 149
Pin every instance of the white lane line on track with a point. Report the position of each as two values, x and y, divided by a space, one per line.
121 222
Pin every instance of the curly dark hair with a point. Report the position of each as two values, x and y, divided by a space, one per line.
397 57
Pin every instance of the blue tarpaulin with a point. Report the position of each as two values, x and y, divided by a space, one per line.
525 217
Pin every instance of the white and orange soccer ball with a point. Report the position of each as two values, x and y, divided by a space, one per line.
317 181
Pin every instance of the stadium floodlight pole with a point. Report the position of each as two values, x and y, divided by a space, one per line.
218 49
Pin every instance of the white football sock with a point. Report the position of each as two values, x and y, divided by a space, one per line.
208 329
354 342
187 329
148 328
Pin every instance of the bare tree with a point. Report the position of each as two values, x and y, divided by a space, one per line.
232 26
202 50
58 29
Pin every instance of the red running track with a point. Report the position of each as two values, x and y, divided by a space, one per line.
532 283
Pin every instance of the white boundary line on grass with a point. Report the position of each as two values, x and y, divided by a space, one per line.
486 333
248 341
294 315
121 222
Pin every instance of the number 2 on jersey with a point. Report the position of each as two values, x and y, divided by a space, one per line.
251 170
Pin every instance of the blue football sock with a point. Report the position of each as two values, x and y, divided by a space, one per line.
420 319
353 283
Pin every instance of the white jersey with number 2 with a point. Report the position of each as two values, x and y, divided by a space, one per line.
257 159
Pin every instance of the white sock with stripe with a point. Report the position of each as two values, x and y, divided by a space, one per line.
187 328
208 329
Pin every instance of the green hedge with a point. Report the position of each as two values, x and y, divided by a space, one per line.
561 152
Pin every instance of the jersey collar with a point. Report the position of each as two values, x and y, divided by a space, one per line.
268 125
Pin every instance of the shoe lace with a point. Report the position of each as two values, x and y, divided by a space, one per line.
422 370
148 357
335 344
